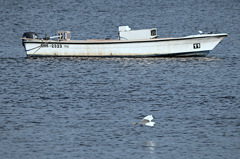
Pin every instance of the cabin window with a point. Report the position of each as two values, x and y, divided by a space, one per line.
153 32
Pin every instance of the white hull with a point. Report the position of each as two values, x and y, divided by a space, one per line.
195 45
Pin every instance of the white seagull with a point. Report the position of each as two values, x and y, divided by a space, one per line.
147 121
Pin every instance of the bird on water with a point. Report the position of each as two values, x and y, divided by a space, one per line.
147 121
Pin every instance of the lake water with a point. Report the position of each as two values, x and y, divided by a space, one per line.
85 107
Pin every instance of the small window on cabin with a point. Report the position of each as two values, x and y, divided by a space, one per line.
153 32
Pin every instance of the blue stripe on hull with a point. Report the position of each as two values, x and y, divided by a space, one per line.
184 54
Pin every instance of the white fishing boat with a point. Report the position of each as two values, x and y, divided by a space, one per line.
130 43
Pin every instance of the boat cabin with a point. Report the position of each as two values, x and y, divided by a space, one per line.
125 33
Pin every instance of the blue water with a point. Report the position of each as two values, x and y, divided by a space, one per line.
85 107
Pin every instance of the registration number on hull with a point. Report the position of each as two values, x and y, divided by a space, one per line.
196 45
55 45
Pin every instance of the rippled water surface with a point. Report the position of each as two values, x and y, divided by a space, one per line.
85 107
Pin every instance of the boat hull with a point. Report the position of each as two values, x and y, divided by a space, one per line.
196 45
